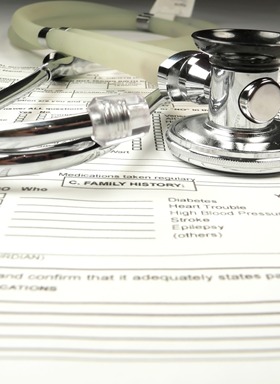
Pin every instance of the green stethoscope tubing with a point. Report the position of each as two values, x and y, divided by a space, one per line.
140 59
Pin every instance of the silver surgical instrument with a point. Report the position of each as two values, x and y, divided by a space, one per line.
234 72
236 75
41 146
33 147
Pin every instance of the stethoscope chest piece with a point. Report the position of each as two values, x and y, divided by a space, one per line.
240 133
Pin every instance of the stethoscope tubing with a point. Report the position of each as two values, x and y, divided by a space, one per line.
69 27
75 28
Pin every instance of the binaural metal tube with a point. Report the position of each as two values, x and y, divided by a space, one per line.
115 118
55 66
33 134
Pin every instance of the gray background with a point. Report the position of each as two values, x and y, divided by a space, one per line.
261 14
253 14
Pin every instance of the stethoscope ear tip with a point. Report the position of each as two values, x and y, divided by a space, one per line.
118 118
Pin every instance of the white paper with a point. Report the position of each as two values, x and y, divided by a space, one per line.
169 9
135 267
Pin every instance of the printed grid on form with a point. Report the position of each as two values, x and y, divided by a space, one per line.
135 256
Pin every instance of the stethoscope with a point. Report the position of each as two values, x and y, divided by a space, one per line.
234 72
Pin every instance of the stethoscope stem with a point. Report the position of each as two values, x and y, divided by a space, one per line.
155 99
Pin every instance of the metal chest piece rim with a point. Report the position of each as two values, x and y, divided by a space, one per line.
239 134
